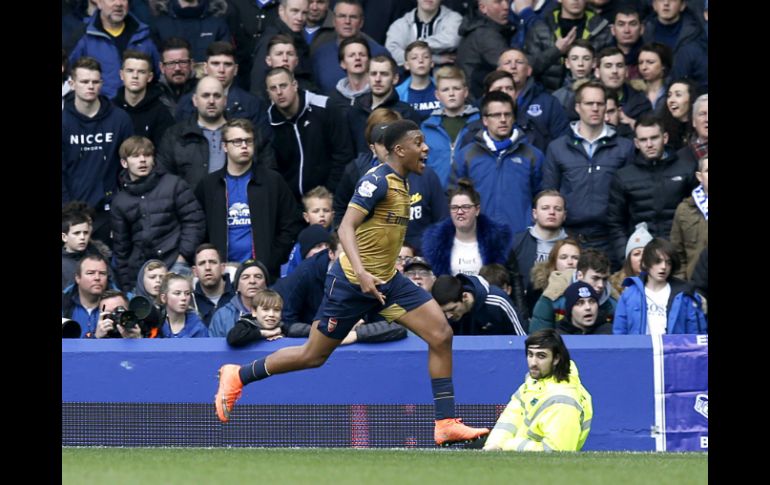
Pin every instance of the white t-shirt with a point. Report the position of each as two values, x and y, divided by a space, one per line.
657 301
465 258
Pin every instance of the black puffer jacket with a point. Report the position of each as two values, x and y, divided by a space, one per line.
647 191
546 59
157 217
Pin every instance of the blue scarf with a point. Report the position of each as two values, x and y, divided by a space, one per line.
494 145
701 199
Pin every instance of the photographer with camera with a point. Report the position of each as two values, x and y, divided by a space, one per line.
80 301
113 321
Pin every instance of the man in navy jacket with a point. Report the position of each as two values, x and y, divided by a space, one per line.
581 164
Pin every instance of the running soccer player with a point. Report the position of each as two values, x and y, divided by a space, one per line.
363 279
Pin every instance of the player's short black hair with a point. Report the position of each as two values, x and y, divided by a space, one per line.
396 130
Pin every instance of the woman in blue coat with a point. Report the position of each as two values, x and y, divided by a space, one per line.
655 303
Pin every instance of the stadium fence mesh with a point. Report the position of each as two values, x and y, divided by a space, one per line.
252 425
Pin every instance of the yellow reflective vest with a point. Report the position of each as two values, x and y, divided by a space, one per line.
545 415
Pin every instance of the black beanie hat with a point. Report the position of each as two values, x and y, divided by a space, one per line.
310 236
248 264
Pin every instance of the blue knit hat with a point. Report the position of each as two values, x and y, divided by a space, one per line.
576 291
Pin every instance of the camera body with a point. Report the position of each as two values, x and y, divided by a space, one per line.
140 312
124 317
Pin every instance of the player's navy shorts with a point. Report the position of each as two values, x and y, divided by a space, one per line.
344 303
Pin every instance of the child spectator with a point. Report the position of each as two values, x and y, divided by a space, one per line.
418 89
581 61
150 279
406 253
448 125
179 320
264 323
76 231
317 210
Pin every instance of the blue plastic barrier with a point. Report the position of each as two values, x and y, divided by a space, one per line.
617 371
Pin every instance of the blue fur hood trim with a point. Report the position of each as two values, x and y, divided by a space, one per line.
494 243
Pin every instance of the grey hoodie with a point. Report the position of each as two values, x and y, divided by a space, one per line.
544 246
343 87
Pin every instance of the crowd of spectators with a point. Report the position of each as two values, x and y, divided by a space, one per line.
210 148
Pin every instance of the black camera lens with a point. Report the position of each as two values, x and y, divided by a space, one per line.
124 318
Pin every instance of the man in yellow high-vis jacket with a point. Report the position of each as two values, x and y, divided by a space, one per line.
552 410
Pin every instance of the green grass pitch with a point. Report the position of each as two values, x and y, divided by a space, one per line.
234 466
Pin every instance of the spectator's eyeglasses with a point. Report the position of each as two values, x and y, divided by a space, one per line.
464 207
422 273
236 142
179 62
